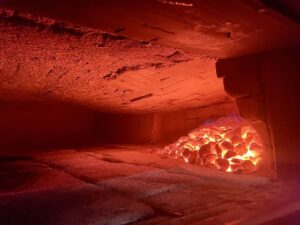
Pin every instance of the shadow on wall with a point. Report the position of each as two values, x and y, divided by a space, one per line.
157 128
27 126
126 128
36 125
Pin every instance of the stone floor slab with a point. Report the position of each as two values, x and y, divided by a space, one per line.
219 177
151 183
24 176
87 204
135 187
88 168
142 156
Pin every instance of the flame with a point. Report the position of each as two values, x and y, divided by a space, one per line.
227 144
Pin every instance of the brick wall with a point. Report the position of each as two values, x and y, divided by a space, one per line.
266 88
33 126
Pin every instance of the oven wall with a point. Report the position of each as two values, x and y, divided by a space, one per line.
280 72
156 128
176 124
266 89
116 128
29 126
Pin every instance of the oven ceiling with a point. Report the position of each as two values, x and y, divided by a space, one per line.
165 63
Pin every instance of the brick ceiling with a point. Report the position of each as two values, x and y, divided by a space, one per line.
140 62
43 60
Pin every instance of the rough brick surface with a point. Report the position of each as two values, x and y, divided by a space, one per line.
45 60
89 168
217 28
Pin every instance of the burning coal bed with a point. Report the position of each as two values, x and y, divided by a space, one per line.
228 144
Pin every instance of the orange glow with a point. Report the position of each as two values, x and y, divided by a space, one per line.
229 144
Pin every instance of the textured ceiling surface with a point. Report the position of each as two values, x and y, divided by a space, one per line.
130 55
42 59
219 28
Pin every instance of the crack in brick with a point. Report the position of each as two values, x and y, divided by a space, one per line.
141 97
159 29
178 57
40 23
114 75
118 72
111 37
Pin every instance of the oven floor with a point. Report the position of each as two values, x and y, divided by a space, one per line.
132 185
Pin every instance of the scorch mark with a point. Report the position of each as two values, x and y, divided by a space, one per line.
141 97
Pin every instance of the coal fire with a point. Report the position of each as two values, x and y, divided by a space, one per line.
229 144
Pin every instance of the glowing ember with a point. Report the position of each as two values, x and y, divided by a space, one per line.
229 144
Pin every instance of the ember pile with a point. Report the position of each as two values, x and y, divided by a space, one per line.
229 144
